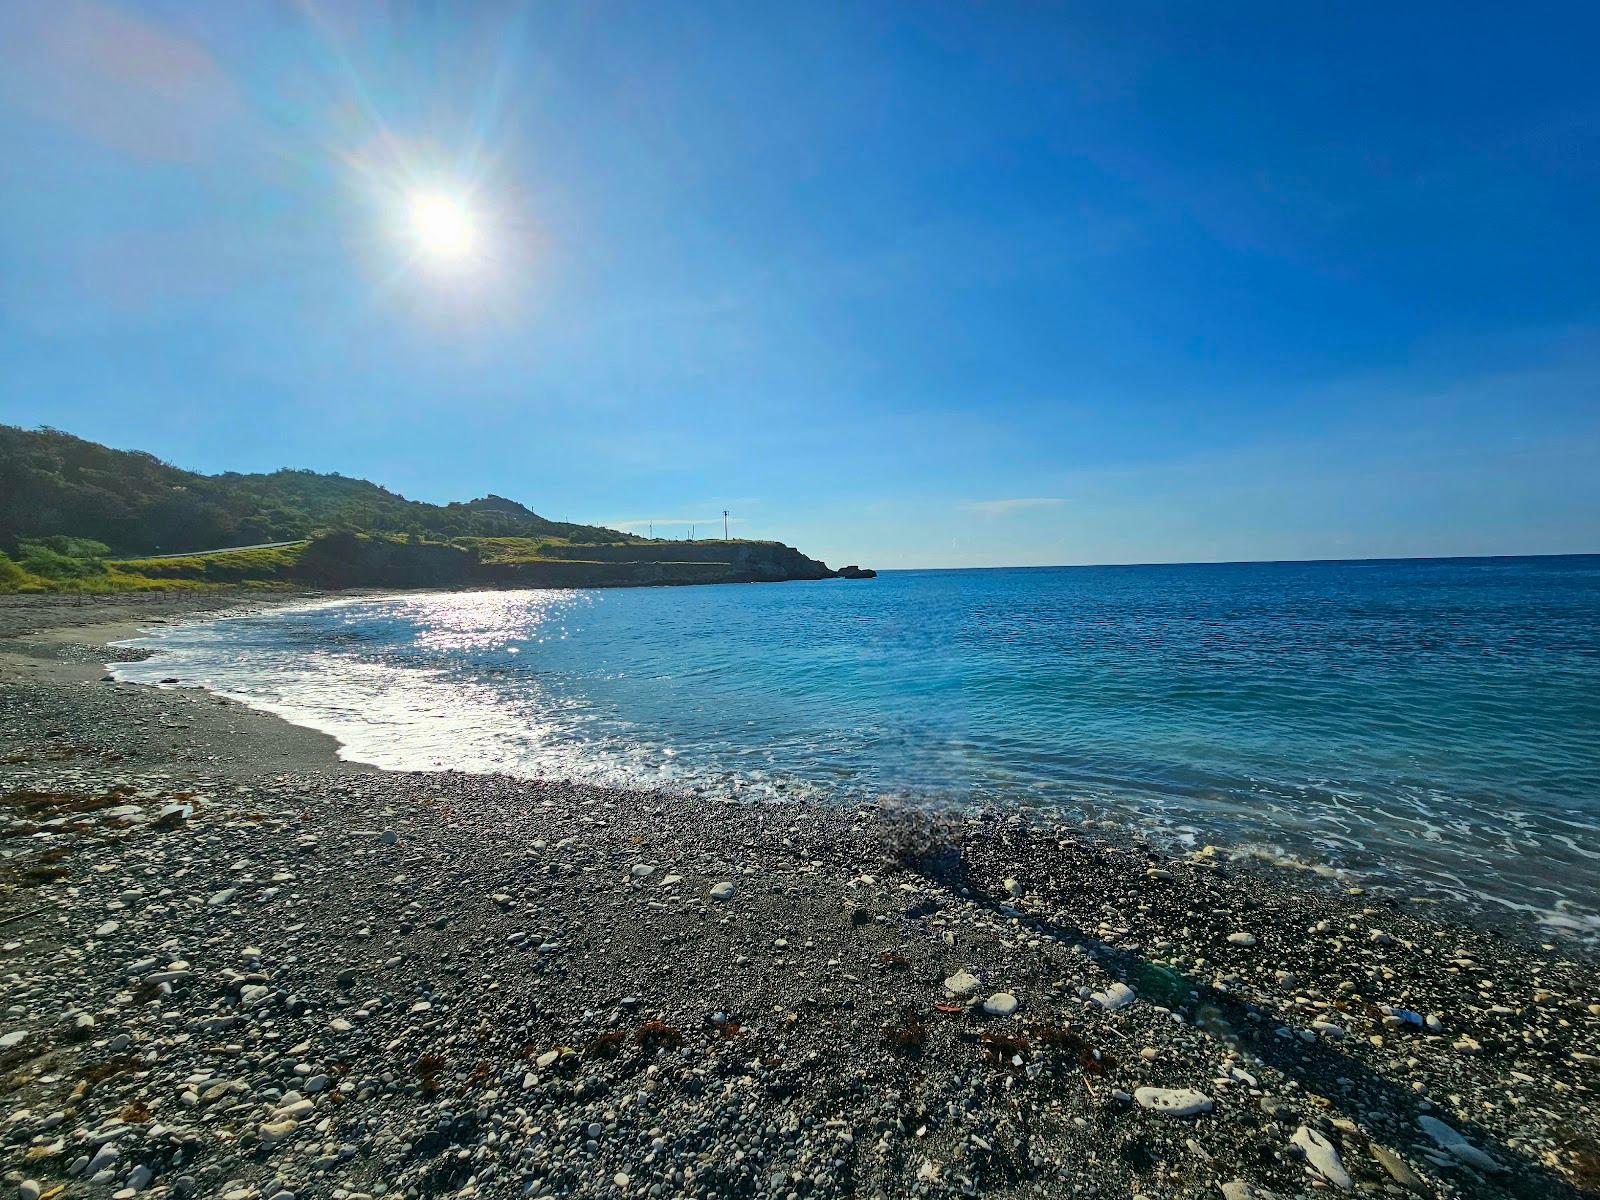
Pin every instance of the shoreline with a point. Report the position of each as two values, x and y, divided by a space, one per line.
1526 923
446 984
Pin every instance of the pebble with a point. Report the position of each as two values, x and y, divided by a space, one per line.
1242 939
1174 1102
1238 1189
1116 995
1001 1004
282 1057
962 983
1323 1157
273 1132
106 1156
1397 1168
1453 1144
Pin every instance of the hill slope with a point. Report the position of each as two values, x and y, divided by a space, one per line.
54 484
79 516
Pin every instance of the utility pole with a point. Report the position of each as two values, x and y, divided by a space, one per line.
724 524
691 533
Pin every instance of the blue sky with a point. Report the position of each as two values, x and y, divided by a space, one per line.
909 285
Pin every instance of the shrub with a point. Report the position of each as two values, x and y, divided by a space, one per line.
63 558
12 577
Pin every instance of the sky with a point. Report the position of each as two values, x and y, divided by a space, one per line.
908 285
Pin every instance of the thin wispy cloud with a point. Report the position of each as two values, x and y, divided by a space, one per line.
1004 508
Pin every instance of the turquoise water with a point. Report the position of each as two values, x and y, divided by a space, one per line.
1435 723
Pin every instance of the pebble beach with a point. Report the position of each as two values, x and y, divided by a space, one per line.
236 965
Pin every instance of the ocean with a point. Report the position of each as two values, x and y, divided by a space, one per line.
1432 725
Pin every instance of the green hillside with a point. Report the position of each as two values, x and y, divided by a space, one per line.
55 485
81 517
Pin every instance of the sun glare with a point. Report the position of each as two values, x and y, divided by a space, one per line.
442 227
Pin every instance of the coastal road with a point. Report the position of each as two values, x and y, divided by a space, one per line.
224 549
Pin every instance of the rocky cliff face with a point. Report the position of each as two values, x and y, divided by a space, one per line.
748 561
349 560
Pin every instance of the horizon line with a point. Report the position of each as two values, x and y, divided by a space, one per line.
1255 562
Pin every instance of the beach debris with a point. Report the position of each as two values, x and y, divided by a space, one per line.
657 1034
962 983
908 1035
1455 1145
1323 1157
1174 1102
1001 1004
1005 1050
1402 1016
1116 995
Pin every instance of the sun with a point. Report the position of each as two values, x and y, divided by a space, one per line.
442 226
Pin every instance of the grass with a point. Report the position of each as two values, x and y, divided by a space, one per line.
521 549
111 581
247 568
233 566
83 567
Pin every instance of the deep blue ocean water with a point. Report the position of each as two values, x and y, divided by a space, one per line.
1434 723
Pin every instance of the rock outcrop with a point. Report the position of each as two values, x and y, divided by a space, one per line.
352 560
